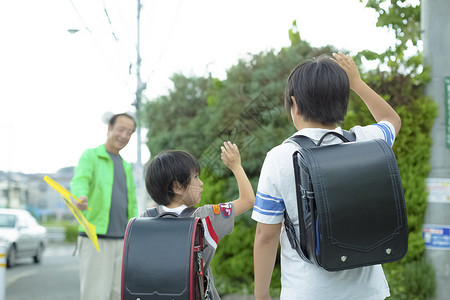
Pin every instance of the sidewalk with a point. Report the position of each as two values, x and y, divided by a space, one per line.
238 297
241 297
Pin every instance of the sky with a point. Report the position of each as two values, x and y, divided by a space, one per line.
56 86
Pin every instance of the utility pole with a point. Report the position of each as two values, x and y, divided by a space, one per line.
140 87
436 53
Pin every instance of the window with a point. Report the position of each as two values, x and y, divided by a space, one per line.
8 221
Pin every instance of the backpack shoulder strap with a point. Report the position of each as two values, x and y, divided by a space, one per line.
151 212
306 142
298 244
351 136
303 141
187 212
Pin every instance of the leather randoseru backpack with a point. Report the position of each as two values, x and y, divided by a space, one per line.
350 204
162 257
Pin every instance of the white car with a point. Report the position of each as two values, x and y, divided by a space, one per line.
21 235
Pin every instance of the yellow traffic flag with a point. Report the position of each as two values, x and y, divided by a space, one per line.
88 227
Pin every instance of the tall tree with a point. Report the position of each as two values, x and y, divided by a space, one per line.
175 120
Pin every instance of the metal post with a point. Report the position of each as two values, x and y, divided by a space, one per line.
140 86
436 48
2 271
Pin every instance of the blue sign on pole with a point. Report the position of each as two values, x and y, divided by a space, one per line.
436 236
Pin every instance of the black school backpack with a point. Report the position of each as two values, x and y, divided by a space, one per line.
350 204
162 257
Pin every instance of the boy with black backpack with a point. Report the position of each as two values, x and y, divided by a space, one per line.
316 99
172 180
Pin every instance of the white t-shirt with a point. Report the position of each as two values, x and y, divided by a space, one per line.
276 192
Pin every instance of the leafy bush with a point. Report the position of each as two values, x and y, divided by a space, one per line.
71 233
70 229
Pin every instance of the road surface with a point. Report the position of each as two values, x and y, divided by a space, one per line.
55 278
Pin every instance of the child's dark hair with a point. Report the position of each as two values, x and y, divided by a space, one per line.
321 90
165 169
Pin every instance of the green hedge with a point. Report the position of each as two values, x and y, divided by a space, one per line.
71 233
70 229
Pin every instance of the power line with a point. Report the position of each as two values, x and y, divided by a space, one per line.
116 39
79 16
166 42
109 21
97 43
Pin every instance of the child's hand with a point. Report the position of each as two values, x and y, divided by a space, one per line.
230 155
349 66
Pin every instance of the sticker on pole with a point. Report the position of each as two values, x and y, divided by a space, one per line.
67 197
438 190
436 236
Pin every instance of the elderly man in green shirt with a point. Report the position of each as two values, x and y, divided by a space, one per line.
104 182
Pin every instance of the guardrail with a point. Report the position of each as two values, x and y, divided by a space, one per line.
55 234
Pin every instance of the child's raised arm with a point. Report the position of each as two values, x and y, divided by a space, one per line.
377 106
232 159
